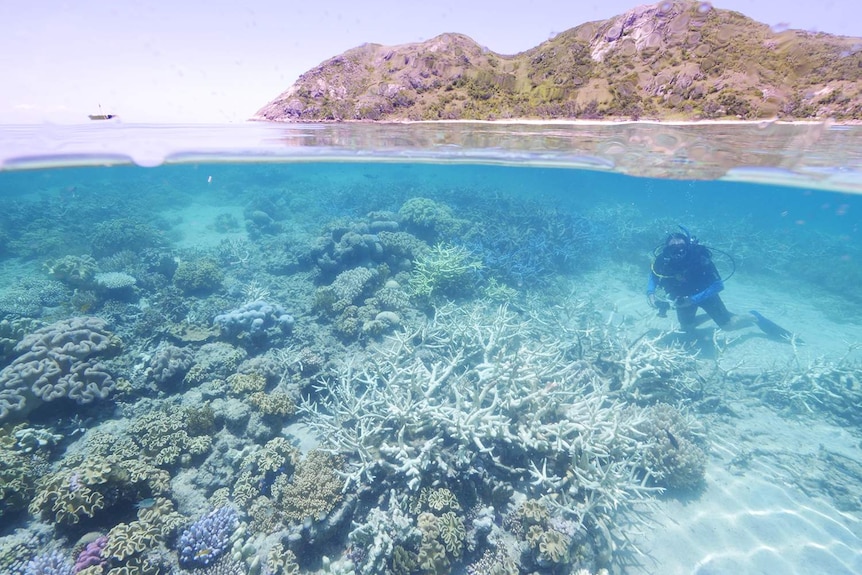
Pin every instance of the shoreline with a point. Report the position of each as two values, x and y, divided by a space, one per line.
574 122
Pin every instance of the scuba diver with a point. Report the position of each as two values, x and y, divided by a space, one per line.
684 269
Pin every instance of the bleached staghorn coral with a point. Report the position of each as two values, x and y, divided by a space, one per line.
481 389
830 386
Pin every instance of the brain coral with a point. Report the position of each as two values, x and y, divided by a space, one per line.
58 361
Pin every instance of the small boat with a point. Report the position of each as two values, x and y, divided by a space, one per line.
101 116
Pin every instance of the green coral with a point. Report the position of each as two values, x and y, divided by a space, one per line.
18 472
274 403
163 435
672 455
430 219
403 561
128 539
444 269
313 490
244 383
553 547
119 234
281 561
76 271
440 499
217 360
533 512
443 530
198 276
259 468
432 557
452 533
200 420
129 543
71 494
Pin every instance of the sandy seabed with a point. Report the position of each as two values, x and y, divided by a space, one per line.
772 501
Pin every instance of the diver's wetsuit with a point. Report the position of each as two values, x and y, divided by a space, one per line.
692 275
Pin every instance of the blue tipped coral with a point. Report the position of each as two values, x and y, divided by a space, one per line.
208 538
51 563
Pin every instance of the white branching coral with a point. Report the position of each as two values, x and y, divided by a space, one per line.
482 388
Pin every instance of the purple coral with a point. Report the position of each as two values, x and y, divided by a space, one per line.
91 555
207 538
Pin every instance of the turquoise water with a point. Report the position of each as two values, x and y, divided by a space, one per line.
426 350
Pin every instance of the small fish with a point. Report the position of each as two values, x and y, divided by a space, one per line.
145 503
672 439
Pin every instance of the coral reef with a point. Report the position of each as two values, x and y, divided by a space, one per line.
75 493
430 220
254 319
18 474
382 539
168 365
346 246
312 491
246 383
673 454
76 271
115 286
91 555
260 468
216 360
11 332
49 563
136 547
32 297
477 388
31 439
166 437
444 270
208 538
277 403
118 234
58 361
198 276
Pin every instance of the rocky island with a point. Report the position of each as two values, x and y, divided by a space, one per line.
677 60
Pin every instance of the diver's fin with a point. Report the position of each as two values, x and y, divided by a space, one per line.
772 329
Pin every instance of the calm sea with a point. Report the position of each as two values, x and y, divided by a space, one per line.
428 348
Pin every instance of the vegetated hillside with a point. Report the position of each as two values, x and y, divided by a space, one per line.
676 60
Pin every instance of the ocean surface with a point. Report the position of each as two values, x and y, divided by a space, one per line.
429 349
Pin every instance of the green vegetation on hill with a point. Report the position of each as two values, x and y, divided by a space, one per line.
674 60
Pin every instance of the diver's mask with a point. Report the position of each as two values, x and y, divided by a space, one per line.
676 251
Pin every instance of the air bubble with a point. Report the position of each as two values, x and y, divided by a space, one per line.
704 8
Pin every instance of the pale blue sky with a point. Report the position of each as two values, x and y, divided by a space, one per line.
219 61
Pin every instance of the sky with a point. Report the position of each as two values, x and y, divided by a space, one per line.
214 61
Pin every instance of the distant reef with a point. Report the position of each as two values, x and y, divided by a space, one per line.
675 60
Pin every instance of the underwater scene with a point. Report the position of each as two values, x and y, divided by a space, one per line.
395 356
